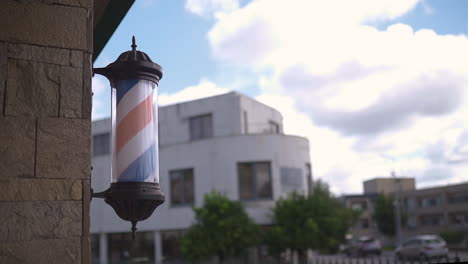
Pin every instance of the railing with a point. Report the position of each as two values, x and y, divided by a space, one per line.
380 260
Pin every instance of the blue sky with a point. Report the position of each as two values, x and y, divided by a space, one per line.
324 69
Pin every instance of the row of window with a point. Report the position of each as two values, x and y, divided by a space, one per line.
200 127
435 201
254 183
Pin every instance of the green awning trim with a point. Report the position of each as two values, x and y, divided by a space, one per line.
110 20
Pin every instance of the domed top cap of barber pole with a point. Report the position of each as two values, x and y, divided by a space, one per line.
132 64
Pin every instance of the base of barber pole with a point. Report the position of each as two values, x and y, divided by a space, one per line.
133 201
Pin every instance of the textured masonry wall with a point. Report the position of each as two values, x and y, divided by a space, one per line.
45 130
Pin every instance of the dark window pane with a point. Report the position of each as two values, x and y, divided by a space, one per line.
123 249
263 180
176 187
95 249
245 181
188 187
171 246
101 144
201 127
207 126
182 191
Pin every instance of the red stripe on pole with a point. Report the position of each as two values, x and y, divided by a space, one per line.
137 119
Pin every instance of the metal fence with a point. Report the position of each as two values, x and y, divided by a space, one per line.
379 260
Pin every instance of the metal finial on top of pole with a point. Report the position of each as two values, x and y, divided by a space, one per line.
133 43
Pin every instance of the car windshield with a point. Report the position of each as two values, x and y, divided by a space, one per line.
432 241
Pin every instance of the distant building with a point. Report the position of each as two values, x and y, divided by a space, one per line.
365 225
437 209
229 143
389 185
428 211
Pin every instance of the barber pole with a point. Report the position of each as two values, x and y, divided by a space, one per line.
134 192
136 136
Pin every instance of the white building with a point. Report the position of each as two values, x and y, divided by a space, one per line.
229 143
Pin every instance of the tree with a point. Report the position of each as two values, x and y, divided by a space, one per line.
452 237
318 221
222 229
385 215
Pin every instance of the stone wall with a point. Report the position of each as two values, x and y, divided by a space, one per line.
45 128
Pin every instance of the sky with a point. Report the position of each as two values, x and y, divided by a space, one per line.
375 85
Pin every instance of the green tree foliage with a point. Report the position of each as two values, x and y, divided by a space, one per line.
222 229
385 214
318 221
452 237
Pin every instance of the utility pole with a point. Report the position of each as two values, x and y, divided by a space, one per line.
397 207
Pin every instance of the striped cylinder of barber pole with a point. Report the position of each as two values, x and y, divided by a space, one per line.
135 132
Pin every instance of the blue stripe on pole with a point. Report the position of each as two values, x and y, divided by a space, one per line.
140 169
123 86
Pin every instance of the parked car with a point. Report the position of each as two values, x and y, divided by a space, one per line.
362 247
422 247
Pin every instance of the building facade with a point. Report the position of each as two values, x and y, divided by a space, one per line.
435 210
427 211
229 143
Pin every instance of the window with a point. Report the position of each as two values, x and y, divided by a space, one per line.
432 220
95 249
201 127
428 202
309 177
273 127
364 223
181 187
124 249
254 180
171 245
458 198
101 144
361 205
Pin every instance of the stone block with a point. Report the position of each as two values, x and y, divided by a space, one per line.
39 54
76 58
50 251
40 190
32 88
3 71
63 148
48 25
40 220
17 147
87 90
77 3
71 90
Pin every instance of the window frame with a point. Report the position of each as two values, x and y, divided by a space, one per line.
108 144
253 181
205 132
183 202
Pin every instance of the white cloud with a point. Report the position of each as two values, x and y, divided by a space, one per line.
361 95
203 89
207 8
